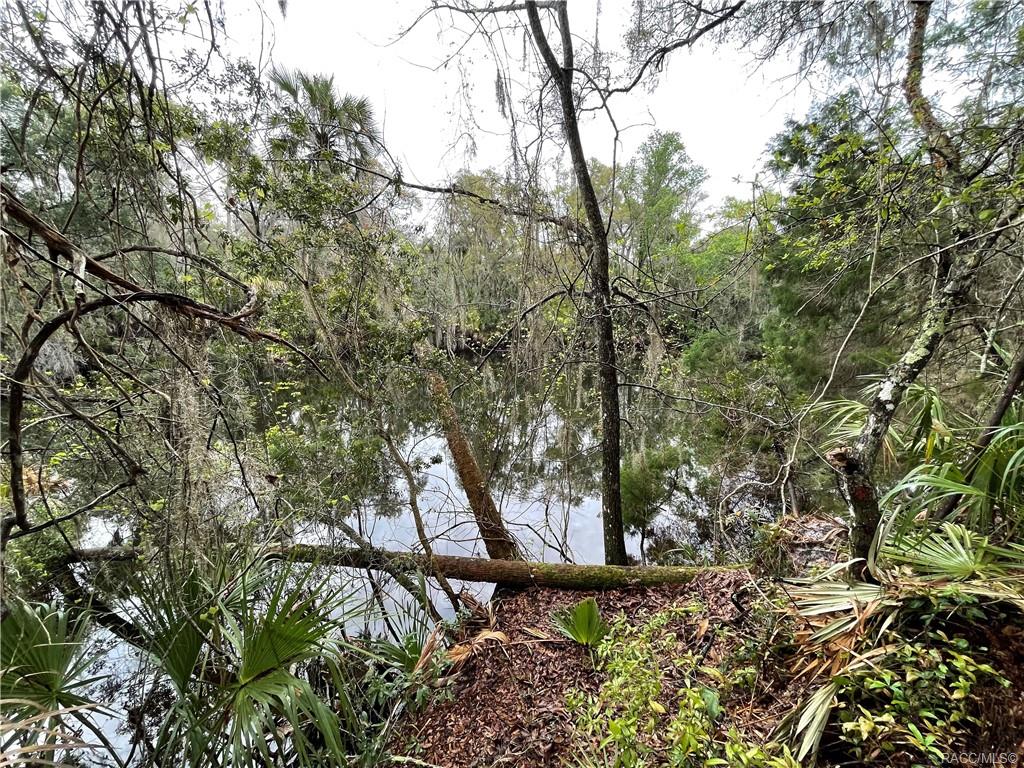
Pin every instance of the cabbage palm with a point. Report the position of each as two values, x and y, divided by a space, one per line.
323 125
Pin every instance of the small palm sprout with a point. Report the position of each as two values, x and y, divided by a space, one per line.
582 623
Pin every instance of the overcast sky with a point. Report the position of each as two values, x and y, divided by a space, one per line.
724 109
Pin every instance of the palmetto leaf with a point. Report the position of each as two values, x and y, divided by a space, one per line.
856 602
458 654
43 658
987 487
170 613
954 552
43 664
582 623
924 428
233 641
813 717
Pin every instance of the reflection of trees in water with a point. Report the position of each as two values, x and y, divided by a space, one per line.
536 439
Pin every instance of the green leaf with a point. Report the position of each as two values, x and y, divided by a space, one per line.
582 623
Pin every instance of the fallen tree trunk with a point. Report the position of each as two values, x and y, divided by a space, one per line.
504 573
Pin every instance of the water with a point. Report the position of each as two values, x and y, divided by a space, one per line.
544 476
549 523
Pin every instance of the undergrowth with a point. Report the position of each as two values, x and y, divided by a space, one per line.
918 706
654 708
914 700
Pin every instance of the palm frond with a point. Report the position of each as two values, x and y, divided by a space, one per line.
43 656
954 552
234 642
582 623
322 123
286 81
804 727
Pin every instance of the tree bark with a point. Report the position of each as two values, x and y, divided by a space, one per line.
597 241
956 273
505 573
498 541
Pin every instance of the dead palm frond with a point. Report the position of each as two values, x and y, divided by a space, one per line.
804 726
459 654
37 740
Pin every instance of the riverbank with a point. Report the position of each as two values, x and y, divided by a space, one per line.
689 674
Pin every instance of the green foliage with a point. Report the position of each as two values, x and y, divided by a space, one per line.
633 722
649 480
27 562
916 699
988 488
43 657
44 665
582 623
255 655
955 552
662 187
899 691
231 646
319 122
921 431
931 449
404 677
204 182
906 698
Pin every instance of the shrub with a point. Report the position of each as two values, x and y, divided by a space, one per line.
627 723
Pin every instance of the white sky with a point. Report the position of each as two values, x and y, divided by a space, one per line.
724 109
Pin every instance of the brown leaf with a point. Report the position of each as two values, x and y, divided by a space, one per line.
702 629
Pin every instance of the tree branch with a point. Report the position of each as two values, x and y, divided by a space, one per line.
939 143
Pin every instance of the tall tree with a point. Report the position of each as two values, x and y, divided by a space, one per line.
593 231
918 200
597 245
972 239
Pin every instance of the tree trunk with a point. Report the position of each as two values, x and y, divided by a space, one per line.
506 573
498 541
956 273
597 242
